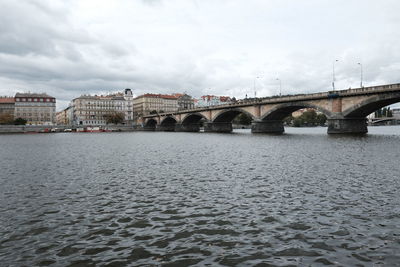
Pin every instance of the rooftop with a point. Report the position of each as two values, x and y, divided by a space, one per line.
159 96
7 100
32 95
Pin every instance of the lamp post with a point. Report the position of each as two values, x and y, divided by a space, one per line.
280 86
333 74
361 74
254 86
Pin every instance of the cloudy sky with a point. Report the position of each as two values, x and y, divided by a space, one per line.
70 47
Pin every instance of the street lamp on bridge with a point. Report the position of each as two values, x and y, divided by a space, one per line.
361 74
333 74
254 86
280 86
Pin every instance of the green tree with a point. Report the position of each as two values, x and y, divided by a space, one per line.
321 119
308 118
20 121
298 122
242 119
288 120
115 118
6 118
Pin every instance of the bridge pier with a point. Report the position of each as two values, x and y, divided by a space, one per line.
192 127
148 129
347 126
218 127
271 126
166 128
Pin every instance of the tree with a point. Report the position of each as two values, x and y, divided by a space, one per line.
6 118
308 118
288 120
242 119
321 119
297 122
20 121
115 118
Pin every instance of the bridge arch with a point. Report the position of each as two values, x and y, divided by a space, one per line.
230 114
370 105
168 124
193 118
283 110
150 124
168 120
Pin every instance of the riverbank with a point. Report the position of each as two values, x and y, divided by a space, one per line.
7 129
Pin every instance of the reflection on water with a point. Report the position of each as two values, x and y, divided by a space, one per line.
115 199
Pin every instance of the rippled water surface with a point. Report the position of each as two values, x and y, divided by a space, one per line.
178 199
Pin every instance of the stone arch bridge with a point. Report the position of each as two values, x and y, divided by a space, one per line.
346 111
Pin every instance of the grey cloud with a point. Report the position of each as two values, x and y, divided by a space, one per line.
201 47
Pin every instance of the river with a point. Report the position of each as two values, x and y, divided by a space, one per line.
177 199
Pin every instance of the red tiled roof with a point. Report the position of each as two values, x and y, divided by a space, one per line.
159 96
224 98
7 100
221 98
178 95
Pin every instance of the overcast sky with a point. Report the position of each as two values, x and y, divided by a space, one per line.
71 47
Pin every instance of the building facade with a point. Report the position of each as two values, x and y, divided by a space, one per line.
396 113
7 108
185 101
94 110
212 100
151 103
36 109
7 105
64 117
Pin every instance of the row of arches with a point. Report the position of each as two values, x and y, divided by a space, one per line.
193 120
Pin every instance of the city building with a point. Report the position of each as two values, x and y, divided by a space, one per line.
396 113
95 110
64 117
36 109
154 103
7 105
212 100
128 96
185 101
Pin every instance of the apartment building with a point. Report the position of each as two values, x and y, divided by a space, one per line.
94 110
212 100
152 103
65 116
7 105
36 109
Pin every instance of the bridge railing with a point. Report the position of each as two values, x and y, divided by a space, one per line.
371 89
